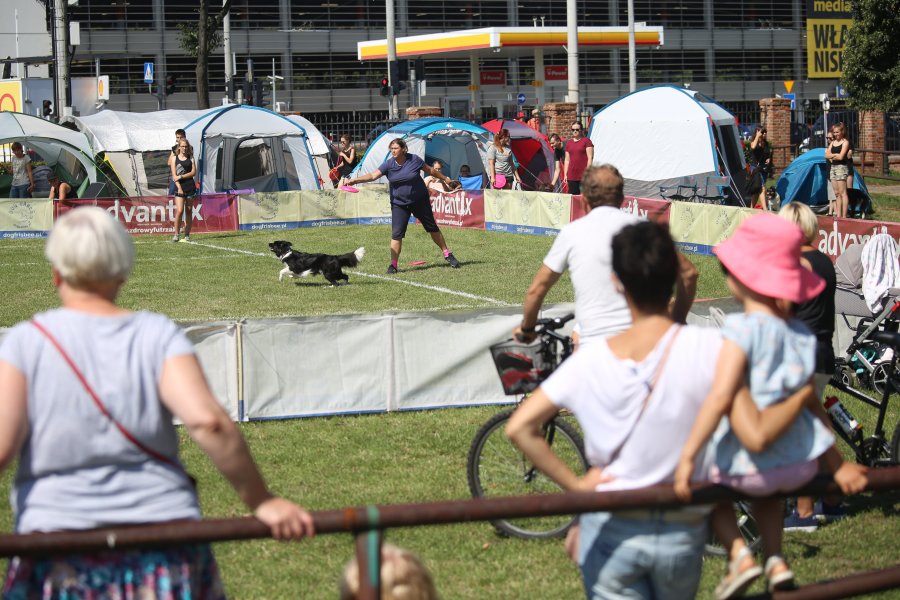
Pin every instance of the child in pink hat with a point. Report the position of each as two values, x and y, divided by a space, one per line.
778 440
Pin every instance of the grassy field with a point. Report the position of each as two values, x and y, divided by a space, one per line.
327 463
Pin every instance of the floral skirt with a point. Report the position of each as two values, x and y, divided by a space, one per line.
178 573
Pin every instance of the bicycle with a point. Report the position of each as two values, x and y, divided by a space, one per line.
495 467
875 450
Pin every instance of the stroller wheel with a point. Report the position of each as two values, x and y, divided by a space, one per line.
846 377
880 377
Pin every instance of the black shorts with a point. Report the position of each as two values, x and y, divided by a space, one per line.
400 218
574 187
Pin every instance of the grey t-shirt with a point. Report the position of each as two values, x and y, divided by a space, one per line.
503 161
76 470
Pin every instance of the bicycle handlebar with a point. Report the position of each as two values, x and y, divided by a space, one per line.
552 324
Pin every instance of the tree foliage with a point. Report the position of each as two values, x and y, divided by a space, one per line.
871 56
200 42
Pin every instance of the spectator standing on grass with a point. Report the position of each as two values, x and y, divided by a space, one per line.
761 163
584 247
559 161
502 162
90 391
346 156
818 315
180 136
773 351
579 156
409 197
635 396
837 155
22 184
184 169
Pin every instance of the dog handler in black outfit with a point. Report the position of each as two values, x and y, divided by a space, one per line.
409 196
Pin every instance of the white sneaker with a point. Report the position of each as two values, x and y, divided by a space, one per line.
175 238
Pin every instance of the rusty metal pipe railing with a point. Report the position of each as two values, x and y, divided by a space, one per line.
857 584
363 518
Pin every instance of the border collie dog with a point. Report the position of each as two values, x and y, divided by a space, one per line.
301 264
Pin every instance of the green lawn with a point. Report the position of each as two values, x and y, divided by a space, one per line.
328 463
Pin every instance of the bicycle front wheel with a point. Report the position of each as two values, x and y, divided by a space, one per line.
497 468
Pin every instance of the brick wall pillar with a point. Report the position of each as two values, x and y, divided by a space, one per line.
871 137
559 116
775 115
418 112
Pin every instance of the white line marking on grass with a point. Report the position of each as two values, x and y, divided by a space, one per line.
433 288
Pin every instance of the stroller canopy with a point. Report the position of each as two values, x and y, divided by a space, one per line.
806 180
531 149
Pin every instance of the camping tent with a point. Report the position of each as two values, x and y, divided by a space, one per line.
666 135
319 145
241 147
137 145
452 141
806 180
531 149
65 151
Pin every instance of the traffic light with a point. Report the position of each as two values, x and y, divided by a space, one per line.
171 82
246 88
47 109
229 89
385 87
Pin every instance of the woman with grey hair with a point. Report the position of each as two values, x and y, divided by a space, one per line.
89 392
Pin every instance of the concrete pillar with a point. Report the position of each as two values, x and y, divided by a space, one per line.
474 80
558 116
775 116
539 76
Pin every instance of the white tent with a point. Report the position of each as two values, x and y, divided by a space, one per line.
320 146
247 147
137 145
665 135
65 150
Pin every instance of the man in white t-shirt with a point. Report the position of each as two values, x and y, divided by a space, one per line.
584 247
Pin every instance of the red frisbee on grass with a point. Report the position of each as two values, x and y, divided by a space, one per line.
416 263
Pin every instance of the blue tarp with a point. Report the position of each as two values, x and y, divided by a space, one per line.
806 180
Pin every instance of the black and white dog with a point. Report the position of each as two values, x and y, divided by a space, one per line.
301 264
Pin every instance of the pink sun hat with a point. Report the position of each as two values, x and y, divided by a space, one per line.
764 255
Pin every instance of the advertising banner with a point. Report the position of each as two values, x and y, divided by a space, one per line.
493 77
269 210
458 209
20 218
836 235
11 96
327 208
373 206
696 228
156 214
654 210
534 213
827 23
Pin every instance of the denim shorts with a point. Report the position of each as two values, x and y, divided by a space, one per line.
640 558
19 191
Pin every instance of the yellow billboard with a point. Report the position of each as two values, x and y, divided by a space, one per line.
11 96
827 24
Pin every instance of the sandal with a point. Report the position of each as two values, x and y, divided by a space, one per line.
780 581
736 582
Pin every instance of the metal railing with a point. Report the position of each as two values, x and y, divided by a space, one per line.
368 522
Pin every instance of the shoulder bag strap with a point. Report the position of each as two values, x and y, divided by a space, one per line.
651 386
99 403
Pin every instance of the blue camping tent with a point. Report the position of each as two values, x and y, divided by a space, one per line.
806 180
452 141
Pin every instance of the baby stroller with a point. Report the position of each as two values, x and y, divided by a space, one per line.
867 300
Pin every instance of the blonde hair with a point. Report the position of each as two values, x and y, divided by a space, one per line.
403 577
802 216
88 246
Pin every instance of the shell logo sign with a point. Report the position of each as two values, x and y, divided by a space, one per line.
11 96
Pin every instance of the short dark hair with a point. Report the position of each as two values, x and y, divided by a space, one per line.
180 132
603 186
646 262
